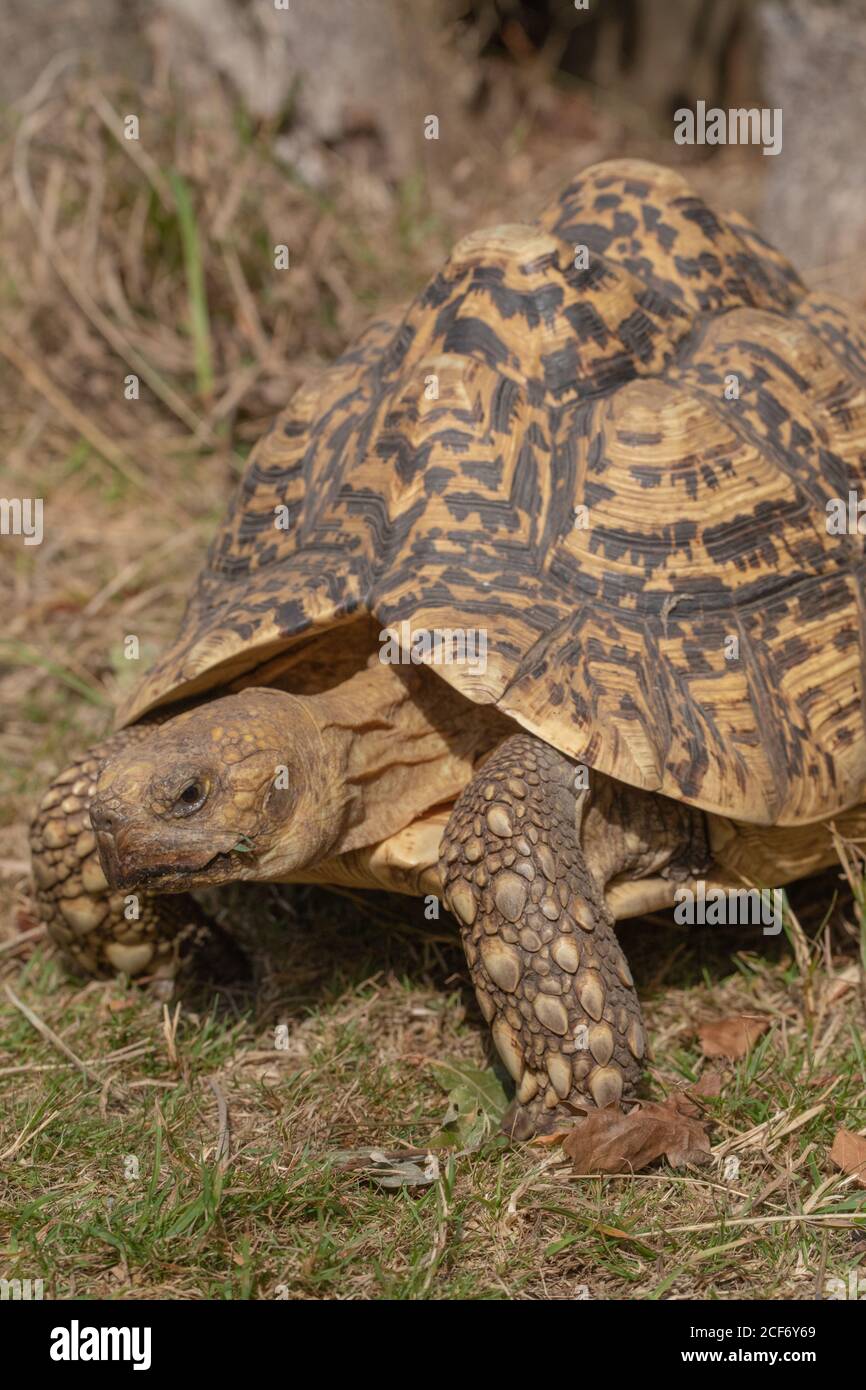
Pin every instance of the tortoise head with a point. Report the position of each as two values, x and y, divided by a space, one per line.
238 788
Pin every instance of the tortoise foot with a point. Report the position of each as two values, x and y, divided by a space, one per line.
548 971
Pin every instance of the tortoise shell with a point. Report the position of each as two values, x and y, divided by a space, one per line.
608 441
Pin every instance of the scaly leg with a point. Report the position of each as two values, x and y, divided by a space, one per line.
98 931
525 877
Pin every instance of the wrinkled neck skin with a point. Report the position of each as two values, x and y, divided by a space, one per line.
628 832
380 750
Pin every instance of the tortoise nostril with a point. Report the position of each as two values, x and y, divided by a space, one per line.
101 818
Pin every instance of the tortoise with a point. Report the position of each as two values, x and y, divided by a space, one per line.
530 603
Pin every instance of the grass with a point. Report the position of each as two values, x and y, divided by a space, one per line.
199 323
114 1186
192 1158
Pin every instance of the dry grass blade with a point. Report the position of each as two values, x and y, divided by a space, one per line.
169 1032
223 1143
853 861
803 957
135 150
37 378
49 1034
113 336
15 942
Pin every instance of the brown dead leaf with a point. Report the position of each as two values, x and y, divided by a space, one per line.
400 1168
734 1036
709 1084
849 1154
606 1141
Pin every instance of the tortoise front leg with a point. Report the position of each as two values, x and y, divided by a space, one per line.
98 931
548 971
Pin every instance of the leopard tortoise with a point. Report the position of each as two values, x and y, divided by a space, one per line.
529 602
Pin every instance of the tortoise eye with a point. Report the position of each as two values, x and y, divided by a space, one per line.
190 799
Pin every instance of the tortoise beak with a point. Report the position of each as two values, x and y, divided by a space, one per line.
134 855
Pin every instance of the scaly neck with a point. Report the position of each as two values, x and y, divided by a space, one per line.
397 740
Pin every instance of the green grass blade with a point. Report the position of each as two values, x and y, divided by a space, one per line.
199 319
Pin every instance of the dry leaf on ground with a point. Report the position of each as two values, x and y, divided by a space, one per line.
403 1168
849 1154
607 1141
734 1036
709 1084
